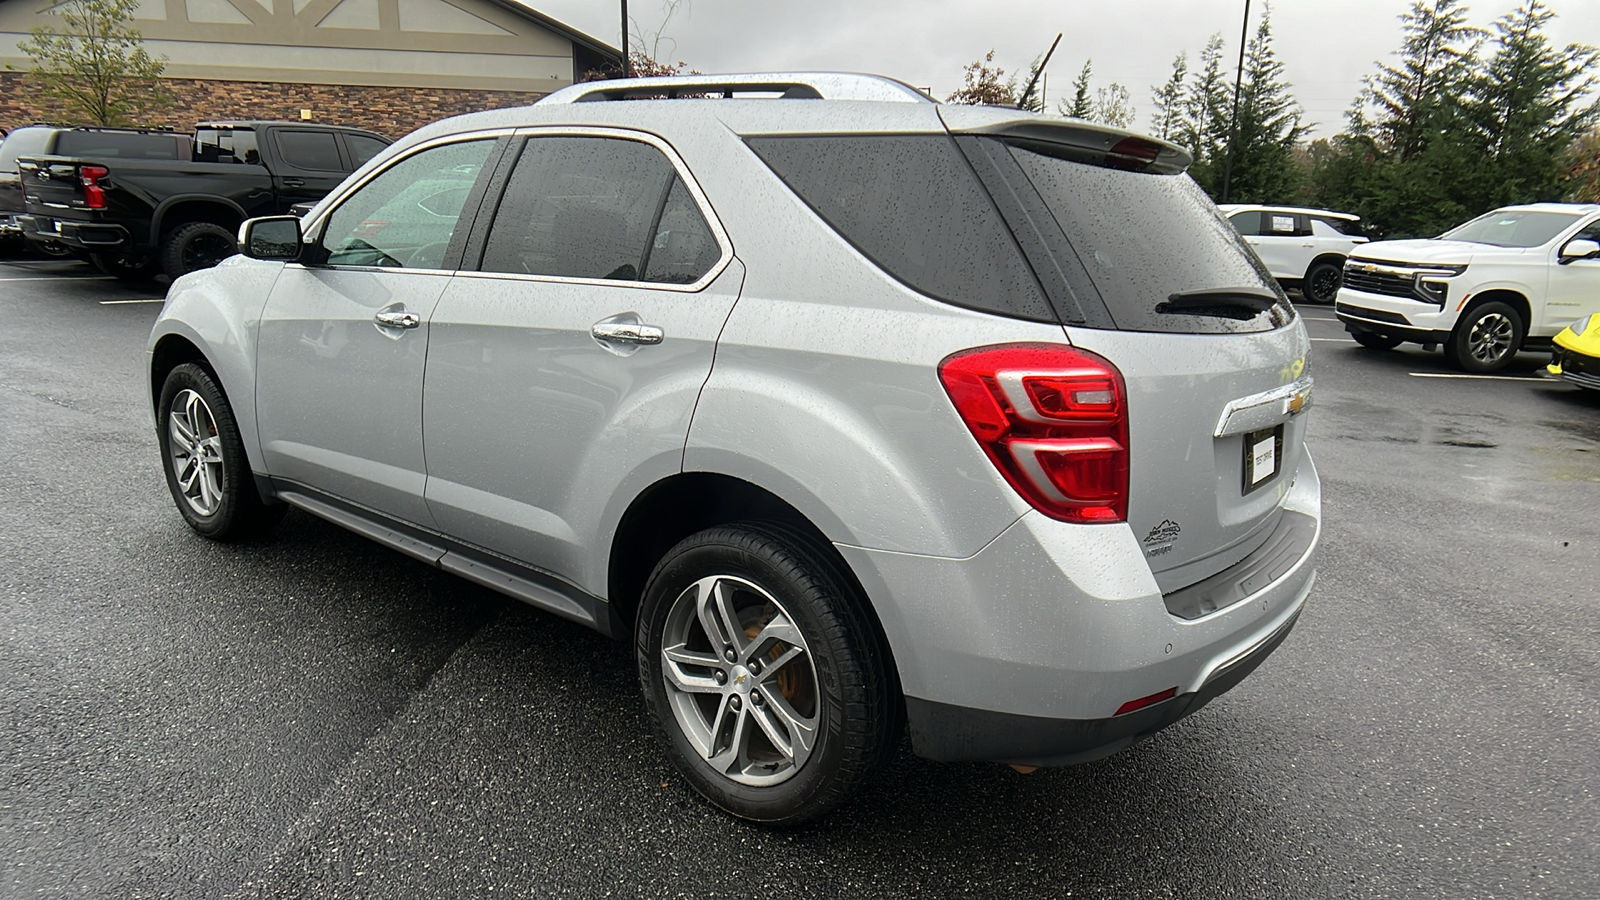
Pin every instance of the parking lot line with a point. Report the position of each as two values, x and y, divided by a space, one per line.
121 302
1335 340
1482 377
60 278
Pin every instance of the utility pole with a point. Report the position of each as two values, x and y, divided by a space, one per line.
626 68
1233 121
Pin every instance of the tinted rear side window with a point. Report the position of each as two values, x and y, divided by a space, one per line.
363 148
1144 237
912 205
119 145
317 151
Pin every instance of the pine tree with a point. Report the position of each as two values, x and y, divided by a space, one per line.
1031 98
1167 99
1082 105
1268 127
1204 129
1524 107
1407 100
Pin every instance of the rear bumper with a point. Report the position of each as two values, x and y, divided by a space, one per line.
1026 651
82 235
959 734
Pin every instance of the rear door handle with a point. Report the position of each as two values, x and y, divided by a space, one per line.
397 319
627 332
294 182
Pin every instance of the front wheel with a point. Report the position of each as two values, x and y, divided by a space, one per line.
203 455
1322 281
762 672
1486 339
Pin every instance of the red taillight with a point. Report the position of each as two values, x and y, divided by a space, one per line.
94 196
1133 153
1142 702
1053 419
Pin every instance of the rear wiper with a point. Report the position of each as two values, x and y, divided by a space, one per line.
1221 303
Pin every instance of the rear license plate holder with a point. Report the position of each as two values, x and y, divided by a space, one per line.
1263 457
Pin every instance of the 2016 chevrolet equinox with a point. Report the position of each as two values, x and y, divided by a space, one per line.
852 410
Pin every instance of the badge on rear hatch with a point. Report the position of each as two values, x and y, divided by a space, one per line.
1161 538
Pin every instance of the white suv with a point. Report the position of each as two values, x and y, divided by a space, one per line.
1508 280
850 410
1303 248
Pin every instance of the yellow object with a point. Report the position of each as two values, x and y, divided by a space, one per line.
1577 355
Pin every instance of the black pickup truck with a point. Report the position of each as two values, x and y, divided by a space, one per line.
83 142
137 216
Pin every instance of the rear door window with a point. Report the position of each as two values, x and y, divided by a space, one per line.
316 151
911 204
1247 222
363 148
1145 238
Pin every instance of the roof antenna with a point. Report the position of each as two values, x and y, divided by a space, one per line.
1035 79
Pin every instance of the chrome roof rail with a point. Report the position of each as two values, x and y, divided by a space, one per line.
790 85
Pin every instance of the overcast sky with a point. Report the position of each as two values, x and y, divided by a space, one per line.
1326 45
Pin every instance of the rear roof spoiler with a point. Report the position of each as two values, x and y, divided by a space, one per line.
1101 144
788 85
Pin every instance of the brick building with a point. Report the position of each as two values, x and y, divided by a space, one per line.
386 65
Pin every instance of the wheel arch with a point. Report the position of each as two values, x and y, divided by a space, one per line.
1337 259
175 212
1517 301
676 507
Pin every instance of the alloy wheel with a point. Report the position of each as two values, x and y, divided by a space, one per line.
206 250
740 680
1490 338
195 452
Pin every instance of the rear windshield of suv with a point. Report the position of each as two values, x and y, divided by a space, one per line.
1145 238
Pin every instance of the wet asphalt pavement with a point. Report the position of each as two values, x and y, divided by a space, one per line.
319 717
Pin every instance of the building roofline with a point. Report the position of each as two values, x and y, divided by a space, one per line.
561 28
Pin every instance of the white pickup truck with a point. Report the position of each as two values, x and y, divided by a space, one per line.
1508 280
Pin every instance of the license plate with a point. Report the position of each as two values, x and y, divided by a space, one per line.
1263 456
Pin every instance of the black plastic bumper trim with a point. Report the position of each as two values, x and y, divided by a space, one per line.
946 733
1289 542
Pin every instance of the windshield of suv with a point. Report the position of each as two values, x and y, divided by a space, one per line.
1512 228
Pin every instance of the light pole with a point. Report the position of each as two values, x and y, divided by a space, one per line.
1233 120
626 68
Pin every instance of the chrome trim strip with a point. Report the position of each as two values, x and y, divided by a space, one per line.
1265 409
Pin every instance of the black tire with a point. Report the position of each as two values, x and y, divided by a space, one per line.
1374 341
238 513
50 249
1486 338
1322 281
196 246
854 699
125 267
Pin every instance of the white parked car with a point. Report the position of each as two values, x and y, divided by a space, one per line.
1508 280
1303 248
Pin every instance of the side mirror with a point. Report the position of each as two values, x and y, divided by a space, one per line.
1576 250
271 237
301 210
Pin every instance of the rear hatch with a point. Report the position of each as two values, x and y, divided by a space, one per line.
1144 272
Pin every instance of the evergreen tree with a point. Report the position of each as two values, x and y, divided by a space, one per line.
1268 127
1167 99
1204 129
1410 99
1031 98
1524 108
1082 105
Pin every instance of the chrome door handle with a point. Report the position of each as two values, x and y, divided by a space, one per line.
627 332
397 319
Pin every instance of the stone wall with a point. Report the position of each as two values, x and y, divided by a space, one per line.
388 111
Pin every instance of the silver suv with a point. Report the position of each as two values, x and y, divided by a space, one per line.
851 410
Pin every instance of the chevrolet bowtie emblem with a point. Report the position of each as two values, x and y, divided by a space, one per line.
1297 402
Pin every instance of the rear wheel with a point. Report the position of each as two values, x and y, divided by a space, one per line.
759 667
1374 341
1486 339
1322 281
196 246
50 249
203 455
127 267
